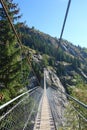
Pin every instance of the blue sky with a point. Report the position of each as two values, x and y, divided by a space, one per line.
48 15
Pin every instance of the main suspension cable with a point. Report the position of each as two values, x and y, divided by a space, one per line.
66 14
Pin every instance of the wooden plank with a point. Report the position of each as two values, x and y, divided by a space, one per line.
44 119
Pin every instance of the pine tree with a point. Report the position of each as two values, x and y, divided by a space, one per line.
9 52
6 33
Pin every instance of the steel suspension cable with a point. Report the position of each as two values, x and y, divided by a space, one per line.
66 14
62 30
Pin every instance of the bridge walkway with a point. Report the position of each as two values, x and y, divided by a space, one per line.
44 120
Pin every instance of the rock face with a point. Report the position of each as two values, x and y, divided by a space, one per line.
57 99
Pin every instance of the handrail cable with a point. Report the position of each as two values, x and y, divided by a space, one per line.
80 114
14 99
75 100
31 92
66 14
15 32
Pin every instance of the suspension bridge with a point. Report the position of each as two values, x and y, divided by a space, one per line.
38 108
44 118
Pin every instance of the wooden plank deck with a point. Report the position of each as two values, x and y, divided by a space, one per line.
44 120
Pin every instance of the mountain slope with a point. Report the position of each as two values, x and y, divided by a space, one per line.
69 61
35 38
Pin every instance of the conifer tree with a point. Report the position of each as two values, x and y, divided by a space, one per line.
9 51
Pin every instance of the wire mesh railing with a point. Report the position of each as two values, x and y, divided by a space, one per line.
57 105
68 112
21 116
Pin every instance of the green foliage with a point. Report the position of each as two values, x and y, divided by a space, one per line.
51 61
38 69
45 60
37 41
76 63
73 120
79 92
60 70
25 70
10 59
46 45
6 94
6 33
